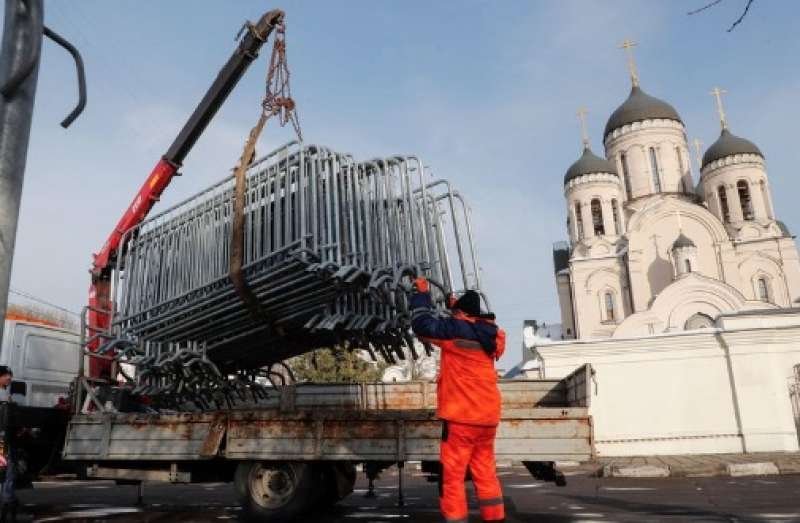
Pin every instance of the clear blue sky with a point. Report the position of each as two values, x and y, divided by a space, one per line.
485 92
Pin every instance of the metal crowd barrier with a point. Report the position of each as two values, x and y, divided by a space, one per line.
331 246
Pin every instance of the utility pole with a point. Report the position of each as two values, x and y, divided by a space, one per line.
20 54
19 70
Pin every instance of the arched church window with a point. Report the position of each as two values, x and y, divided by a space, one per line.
654 170
744 199
597 218
623 159
763 289
615 212
608 299
688 264
723 204
578 221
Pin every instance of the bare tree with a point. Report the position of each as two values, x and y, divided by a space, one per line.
715 2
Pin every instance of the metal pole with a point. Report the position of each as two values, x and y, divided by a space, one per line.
19 69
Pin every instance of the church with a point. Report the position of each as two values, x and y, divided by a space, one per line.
650 251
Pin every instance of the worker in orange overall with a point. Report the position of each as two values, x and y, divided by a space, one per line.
468 399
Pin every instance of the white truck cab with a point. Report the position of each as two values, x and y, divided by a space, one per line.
45 358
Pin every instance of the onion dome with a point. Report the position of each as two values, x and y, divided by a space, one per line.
682 241
589 163
728 144
638 107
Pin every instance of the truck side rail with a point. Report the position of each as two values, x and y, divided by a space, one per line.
546 434
543 420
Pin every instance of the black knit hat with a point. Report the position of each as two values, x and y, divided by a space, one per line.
469 303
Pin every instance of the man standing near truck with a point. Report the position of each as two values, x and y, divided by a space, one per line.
468 399
8 498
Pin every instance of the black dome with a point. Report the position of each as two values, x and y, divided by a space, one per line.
683 241
640 106
729 144
589 163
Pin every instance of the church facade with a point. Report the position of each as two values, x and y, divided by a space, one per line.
650 251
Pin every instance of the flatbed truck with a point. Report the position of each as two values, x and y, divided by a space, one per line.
298 449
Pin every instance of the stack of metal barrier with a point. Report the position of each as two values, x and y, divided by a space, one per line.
330 248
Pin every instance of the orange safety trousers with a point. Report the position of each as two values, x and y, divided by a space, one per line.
469 447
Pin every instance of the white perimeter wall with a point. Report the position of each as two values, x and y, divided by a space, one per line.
707 391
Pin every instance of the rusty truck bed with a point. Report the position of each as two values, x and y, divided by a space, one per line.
543 420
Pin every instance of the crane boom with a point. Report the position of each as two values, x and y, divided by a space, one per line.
161 175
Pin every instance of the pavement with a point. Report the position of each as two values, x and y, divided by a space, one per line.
735 465
584 499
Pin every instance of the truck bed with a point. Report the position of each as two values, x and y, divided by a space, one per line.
542 420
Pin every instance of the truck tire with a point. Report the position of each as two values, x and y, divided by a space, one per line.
274 491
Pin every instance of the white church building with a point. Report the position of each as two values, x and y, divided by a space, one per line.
649 250
681 294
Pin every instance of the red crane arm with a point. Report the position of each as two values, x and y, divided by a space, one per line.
161 175
136 212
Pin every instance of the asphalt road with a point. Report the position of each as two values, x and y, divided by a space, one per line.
584 499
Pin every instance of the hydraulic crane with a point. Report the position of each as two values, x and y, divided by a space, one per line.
99 317
289 450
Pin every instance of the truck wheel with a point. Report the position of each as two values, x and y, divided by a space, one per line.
274 491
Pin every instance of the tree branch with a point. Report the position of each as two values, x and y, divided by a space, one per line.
712 4
744 13
715 2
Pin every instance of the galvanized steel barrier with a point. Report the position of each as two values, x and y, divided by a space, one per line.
330 248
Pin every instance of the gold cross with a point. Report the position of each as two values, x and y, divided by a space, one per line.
698 152
628 45
582 112
717 93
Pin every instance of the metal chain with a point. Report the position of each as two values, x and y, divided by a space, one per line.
278 98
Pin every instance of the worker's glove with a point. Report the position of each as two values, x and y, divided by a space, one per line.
422 285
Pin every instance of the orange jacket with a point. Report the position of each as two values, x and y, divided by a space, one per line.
467 384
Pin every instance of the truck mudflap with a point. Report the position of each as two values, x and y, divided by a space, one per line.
543 420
